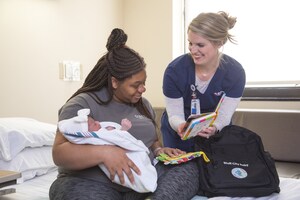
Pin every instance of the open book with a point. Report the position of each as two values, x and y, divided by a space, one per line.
195 123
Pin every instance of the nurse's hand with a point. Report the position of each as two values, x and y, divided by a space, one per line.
207 132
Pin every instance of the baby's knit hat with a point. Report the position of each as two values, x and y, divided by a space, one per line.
75 124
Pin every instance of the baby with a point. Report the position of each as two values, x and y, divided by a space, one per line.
83 129
94 125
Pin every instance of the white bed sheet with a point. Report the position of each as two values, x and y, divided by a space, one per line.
38 189
290 190
34 189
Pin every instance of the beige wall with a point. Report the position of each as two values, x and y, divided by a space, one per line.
149 26
36 35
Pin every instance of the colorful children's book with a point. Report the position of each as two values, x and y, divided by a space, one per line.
181 158
196 123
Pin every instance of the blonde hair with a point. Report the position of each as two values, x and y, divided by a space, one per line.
214 27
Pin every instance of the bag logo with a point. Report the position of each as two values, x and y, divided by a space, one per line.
239 173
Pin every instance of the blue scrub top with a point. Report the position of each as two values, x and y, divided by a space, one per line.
178 78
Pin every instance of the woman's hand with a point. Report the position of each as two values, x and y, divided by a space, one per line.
207 132
169 151
180 129
117 162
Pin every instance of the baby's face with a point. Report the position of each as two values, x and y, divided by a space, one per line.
93 125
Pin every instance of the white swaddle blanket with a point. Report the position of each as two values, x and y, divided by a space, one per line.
76 131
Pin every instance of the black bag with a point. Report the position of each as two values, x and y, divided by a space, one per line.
239 166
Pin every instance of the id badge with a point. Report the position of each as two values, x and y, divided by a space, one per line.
195 102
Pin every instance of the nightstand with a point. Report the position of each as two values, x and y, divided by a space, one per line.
8 178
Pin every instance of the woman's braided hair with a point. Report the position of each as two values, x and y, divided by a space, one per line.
120 62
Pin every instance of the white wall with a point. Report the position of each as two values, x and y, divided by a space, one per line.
35 36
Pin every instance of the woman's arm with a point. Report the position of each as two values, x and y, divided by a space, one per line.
78 157
226 111
175 111
74 156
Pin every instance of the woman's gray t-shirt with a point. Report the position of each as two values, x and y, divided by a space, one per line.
142 127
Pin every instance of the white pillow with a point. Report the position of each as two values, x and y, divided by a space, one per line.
19 133
31 162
